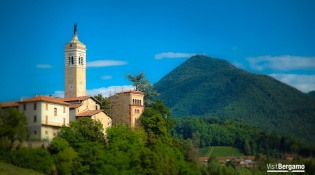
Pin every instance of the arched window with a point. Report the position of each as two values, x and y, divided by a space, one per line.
72 60
79 60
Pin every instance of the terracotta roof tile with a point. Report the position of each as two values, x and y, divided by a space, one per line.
9 104
88 113
75 105
131 91
46 99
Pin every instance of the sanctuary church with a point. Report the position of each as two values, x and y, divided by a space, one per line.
46 114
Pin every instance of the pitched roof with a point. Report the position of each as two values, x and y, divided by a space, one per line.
9 104
75 105
88 113
75 98
131 92
46 99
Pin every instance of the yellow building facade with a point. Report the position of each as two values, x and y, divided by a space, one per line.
126 107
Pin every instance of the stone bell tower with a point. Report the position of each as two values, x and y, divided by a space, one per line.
75 67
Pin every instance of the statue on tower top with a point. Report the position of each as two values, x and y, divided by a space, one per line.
75 29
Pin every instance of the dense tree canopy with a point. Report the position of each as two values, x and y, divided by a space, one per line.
13 124
204 86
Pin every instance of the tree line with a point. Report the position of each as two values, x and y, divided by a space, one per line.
209 131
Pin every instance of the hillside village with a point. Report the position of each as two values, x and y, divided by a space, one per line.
46 114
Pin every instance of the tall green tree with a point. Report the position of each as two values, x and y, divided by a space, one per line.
83 130
142 84
13 124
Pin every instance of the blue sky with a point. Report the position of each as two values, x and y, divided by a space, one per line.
272 37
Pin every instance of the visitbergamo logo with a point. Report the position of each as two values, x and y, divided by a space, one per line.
282 168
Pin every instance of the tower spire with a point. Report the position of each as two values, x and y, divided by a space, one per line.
75 29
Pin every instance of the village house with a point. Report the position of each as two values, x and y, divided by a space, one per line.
46 114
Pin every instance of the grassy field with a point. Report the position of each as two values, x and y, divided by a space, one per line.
220 151
8 169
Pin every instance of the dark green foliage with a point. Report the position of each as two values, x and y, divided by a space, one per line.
84 129
104 102
214 132
312 93
13 124
37 159
204 86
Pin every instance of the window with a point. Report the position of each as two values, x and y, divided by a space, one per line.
46 132
35 106
54 134
64 121
24 106
64 109
46 121
72 60
35 132
69 60
35 118
46 106
55 111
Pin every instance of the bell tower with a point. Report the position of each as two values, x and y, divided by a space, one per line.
75 67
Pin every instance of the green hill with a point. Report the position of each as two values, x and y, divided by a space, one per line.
8 169
204 86
312 93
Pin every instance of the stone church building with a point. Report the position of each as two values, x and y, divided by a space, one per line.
46 114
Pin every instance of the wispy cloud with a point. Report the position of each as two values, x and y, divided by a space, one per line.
105 91
60 94
105 63
43 66
106 77
282 63
304 83
173 55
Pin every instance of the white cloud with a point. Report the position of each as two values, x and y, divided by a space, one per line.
105 91
106 77
105 63
304 83
43 66
173 55
238 64
282 63
59 94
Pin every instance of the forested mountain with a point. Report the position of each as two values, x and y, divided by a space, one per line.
204 86
312 93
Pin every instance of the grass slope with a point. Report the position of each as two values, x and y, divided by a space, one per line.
223 151
8 169
220 151
204 86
